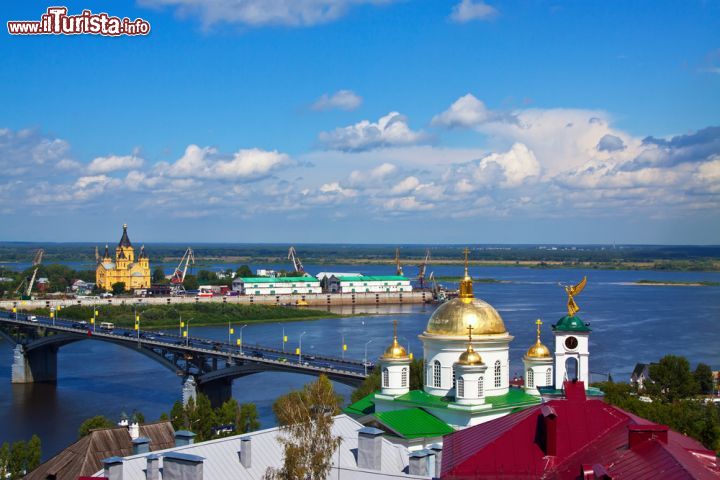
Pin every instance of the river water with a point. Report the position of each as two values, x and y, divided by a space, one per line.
630 324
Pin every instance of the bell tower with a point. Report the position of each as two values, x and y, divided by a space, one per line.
572 342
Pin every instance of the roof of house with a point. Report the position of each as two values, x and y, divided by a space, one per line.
589 433
258 280
221 460
413 423
374 278
84 457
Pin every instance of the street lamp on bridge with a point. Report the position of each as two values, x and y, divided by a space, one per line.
365 362
300 348
241 338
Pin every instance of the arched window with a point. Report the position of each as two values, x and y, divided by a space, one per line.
480 386
404 377
436 374
548 377
498 374
530 378
386 377
461 387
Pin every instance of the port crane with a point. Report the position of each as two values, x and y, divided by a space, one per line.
22 289
423 268
178 276
398 267
297 264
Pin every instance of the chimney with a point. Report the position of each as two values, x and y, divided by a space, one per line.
436 448
140 445
181 466
549 425
638 434
246 451
183 438
134 430
369 448
419 462
113 467
152 472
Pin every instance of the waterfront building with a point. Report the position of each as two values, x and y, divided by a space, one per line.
575 437
276 285
124 266
363 454
466 379
368 284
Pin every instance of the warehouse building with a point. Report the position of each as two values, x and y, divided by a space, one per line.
276 286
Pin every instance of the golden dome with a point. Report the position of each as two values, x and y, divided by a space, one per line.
470 357
538 350
395 350
453 317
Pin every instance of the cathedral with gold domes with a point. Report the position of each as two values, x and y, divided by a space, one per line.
466 378
124 267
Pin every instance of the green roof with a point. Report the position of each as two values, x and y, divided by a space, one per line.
414 423
571 324
516 397
362 407
381 278
558 392
278 280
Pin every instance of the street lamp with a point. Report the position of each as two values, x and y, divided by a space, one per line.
52 315
365 362
300 348
137 327
343 347
187 333
241 339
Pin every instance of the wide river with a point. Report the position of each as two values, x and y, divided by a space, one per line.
630 324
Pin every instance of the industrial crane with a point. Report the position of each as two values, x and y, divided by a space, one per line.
398 267
297 265
178 276
25 292
423 268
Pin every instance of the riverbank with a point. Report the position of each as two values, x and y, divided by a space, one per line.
153 317
671 283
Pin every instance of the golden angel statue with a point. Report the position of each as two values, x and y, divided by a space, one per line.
572 291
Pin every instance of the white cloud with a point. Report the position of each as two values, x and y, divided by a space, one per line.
507 169
468 10
467 111
406 204
390 130
259 13
113 163
342 99
205 162
30 153
408 184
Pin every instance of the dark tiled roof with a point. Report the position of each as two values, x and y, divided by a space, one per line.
125 240
84 457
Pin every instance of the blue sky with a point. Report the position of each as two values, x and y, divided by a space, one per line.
366 121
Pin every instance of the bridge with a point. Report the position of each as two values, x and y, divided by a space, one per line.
204 365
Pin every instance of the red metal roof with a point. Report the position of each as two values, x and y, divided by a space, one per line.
587 432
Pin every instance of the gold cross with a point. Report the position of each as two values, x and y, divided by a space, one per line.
466 252
395 322
538 322
470 328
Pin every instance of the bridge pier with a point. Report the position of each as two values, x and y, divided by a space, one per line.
36 366
218 391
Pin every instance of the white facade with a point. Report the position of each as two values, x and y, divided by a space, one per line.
538 373
395 376
369 284
276 286
470 384
441 353
571 347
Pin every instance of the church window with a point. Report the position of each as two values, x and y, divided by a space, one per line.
461 387
404 377
530 378
548 377
386 377
480 386
498 375
436 374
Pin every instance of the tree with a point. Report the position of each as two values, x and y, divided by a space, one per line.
158 275
118 288
4 460
306 419
34 453
201 417
244 272
18 460
93 423
248 421
177 416
704 378
671 379
191 282
138 417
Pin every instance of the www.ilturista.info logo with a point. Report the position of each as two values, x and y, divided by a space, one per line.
57 22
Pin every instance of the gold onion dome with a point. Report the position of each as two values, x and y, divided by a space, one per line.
538 350
395 350
453 318
470 356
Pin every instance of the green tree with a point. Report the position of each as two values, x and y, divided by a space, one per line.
4 460
18 460
191 282
177 416
704 378
34 453
98 421
118 288
306 418
158 275
201 417
248 421
244 272
671 379
137 416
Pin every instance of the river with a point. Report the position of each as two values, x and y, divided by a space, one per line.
630 324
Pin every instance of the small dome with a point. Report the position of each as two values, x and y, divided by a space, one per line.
453 318
538 350
470 357
571 324
395 351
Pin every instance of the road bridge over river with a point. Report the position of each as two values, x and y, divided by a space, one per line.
204 365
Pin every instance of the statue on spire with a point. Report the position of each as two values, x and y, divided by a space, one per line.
572 291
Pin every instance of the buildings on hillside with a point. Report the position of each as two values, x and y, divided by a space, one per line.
124 267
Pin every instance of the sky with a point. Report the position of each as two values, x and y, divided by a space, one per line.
366 121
